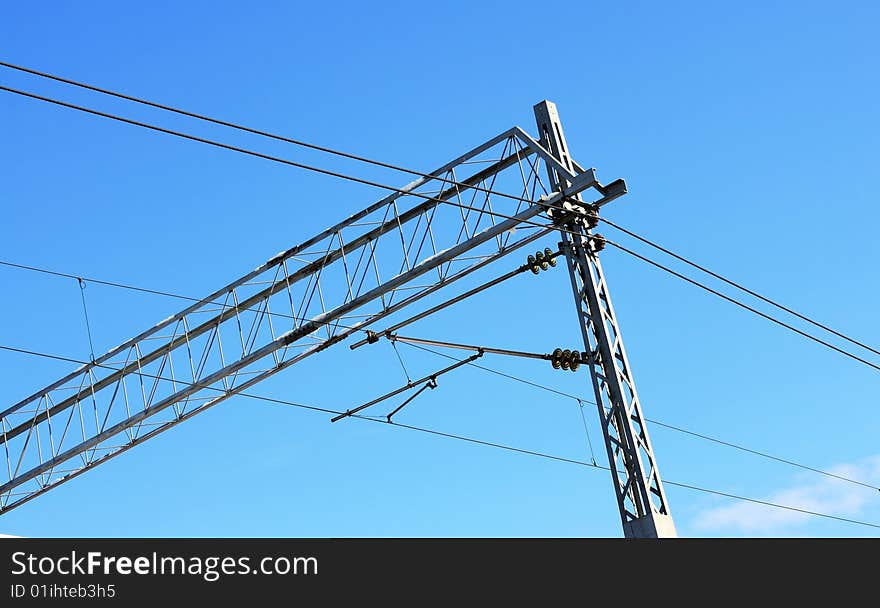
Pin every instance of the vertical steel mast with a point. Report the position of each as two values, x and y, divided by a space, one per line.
641 498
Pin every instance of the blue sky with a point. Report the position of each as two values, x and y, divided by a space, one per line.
748 138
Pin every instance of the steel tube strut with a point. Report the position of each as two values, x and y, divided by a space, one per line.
372 337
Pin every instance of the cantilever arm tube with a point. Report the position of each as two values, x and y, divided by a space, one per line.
483 349
406 387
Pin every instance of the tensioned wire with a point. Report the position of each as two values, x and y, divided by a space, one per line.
491 444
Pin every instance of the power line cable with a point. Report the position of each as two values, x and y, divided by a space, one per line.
372 161
217 144
376 184
364 159
743 305
739 286
298 165
579 400
473 440
383 186
241 128
150 291
655 421
98 281
482 367
430 198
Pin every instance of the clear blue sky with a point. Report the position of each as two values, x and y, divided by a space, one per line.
748 136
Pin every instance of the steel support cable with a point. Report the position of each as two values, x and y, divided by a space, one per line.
373 336
291 163
490 370
277 159
379 163
743 305
740 286
491 444
246 129
540 387
696 283
375 184
386 187
654 421
439 201
375 162
370 333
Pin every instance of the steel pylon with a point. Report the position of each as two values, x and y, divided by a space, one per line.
641 498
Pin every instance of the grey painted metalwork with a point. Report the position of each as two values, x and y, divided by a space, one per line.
641 498
376 262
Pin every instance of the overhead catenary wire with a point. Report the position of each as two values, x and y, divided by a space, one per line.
376 184
396 167
739 286
244 128
430 198
254 153
482 367
696 283
447 303
654 421
386 187
752 309
485 443
478 366
299 165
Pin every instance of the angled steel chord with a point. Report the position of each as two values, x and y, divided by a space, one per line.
233 339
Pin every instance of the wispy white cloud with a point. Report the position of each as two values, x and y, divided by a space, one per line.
825 495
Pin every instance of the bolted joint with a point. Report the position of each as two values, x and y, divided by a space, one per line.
372 337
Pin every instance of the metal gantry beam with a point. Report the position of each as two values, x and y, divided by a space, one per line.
641 499
378 261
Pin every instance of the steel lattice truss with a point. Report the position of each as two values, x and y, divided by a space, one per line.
378 261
